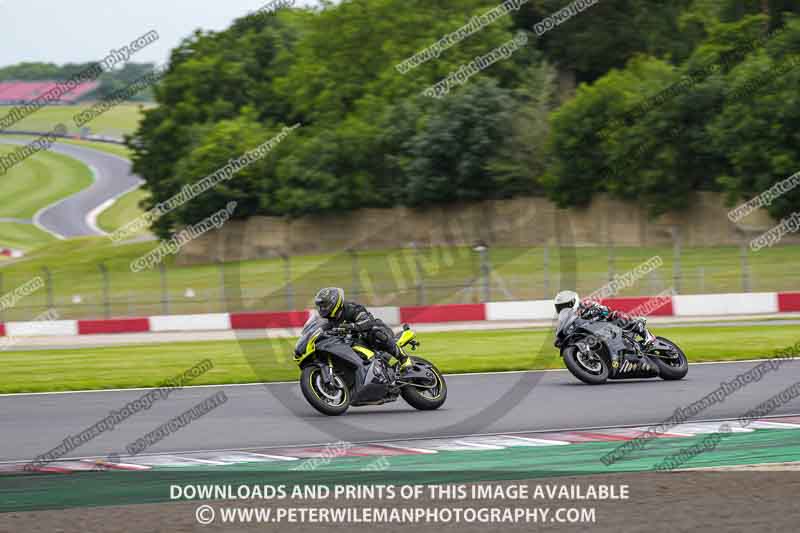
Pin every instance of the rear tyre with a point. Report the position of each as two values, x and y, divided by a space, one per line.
672 369
328 400
426 399
592 370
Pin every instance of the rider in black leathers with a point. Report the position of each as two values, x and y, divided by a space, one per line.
593 310
331 305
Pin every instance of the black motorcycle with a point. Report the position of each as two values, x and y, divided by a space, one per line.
595 351
334 359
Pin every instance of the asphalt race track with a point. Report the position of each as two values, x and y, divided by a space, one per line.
258 415
70 216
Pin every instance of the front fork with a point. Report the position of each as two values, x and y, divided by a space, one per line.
327 372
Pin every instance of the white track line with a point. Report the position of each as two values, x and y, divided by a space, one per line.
91 216
388 442
267 383
40 212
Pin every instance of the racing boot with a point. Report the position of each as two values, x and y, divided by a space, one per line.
403 362
640 328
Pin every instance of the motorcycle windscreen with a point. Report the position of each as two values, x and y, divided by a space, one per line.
565 319
314 324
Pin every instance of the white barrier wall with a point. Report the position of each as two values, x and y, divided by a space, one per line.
390 315
42 327
206 322
725 304
525 310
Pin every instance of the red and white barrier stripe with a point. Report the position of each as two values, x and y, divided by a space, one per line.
680 305
723 304
8 252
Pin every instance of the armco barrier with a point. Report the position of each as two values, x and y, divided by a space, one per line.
209 322
725 304
629 305
526 310
293 319
42 328
789 302
114 325
443 313
681 305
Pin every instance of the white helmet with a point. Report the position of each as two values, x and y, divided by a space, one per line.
566 300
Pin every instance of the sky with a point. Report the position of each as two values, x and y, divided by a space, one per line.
74 31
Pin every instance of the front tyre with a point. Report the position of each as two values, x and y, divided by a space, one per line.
674 367
426 399
591 368
328 400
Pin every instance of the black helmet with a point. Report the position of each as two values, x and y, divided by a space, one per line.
329 302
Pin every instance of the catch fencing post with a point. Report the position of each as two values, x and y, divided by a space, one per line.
223 296
546 267
48 281
162 270
611 260
287 269
106 290
356 288
420 281
486 272
746 274
676 252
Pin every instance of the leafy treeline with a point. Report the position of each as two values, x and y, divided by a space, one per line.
370 139
110 82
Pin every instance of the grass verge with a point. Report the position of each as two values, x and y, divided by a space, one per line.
39 181
23 236
122 211
452 352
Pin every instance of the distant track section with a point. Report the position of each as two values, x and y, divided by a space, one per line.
74 215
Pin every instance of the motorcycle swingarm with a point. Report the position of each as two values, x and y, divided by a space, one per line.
659 345
424 378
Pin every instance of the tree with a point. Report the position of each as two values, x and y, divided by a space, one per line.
447 159
758 127
522 160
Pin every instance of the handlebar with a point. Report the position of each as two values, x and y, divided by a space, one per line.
342 330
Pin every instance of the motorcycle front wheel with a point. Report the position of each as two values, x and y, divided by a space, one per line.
331 400
590 368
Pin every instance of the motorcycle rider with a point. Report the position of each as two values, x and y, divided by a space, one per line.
593 310
330 304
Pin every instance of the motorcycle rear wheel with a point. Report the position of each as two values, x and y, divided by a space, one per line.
581 370
426 399
671 370
331 401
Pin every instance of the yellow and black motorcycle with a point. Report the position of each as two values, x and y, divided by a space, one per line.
335 363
